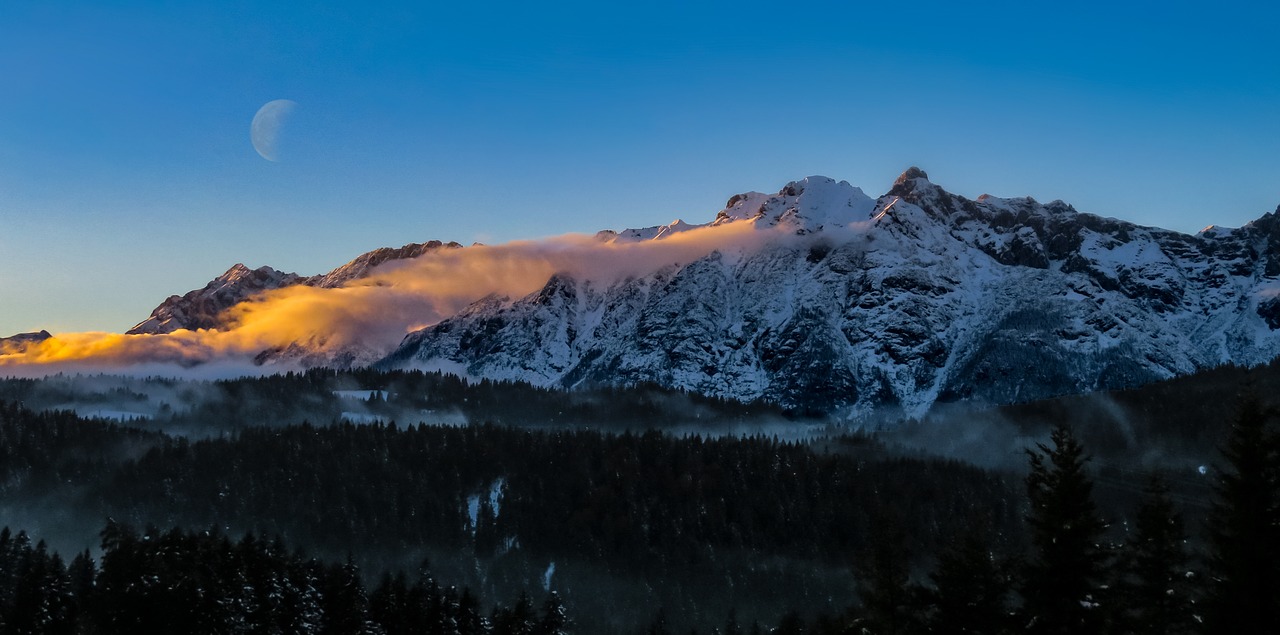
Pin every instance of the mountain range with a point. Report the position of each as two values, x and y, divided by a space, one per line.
897 302
840 303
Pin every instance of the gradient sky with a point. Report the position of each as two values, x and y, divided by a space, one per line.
127 174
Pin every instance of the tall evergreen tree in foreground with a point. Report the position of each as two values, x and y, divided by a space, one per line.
1064 576
1244 529
971 589
889 602
1154 586
555 621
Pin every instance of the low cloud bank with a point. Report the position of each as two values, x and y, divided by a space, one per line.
374 313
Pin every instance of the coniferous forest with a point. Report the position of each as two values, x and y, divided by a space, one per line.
548 520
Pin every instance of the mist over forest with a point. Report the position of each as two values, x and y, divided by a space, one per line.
620 506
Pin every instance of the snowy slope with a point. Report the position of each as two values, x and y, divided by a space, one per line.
855 305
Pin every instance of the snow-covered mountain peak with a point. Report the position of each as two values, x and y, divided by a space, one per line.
808 205
1215 231
805 206
236 271
239 272
744 206
911 181
913 186
910 174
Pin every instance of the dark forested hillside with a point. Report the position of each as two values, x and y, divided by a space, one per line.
640 520
638 529
627 531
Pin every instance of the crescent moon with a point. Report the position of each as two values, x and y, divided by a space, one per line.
265 130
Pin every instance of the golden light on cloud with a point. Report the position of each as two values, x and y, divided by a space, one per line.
372 314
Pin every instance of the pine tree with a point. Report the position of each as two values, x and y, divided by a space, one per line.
486 529
731 626
119 602
659 625
889 602
971 589
82 573
1153 587
346 607
389 604
1244 529
1064 578
554 619
307 613
42 599
517 620
452 622
470 621
791 624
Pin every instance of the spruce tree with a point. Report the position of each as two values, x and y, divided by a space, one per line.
971 590
1244 529
470 621
1153 585
791 624
389 605
890 604
42 600
83 573
345 604
731 626
1064 578
555 621
517 620
659 625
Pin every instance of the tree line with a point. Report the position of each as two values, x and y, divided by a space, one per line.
205 583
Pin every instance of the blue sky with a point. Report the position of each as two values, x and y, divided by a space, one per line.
127 174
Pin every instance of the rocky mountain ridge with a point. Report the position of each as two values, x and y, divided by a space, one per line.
842 303
204 308
894 304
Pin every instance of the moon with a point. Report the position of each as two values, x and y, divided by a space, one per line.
265 131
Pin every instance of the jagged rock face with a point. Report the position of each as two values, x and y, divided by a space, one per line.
204 308
201 308
894 304
365 263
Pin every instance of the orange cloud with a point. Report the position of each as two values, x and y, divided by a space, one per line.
372 314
